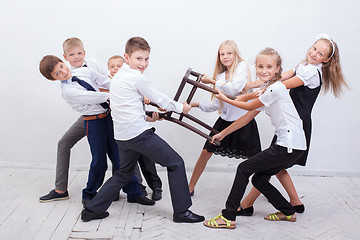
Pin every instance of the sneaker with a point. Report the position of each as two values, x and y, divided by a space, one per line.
54 196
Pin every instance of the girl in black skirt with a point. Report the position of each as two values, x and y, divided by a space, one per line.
290 144
232 75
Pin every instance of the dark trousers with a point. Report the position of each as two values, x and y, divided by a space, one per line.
264 164
149 171
100 136
155 149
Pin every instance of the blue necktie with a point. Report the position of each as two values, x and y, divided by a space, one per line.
89 88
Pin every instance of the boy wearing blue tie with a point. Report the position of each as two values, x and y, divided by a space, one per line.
81 89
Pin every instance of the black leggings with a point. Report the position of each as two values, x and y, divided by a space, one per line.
263 165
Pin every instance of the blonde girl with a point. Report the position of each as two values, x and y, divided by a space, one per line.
283 153
231 75
320 71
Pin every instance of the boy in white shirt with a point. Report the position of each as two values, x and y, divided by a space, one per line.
80 88
148 168
135 136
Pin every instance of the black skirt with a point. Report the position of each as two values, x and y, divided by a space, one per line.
243 143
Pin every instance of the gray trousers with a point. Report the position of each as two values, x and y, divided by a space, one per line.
157 150
74 134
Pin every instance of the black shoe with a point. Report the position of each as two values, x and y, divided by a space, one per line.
299 208
192 193
87 215
157 194
54 196
85 202
245 211
187 217
142 200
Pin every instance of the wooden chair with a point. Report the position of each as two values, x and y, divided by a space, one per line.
187 79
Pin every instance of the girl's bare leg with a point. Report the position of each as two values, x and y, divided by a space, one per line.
250 198
199 168
287 183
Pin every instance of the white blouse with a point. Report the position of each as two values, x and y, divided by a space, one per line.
284 117
308 73
229 112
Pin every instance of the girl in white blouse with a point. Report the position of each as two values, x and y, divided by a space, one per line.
320 70
283 153
231 75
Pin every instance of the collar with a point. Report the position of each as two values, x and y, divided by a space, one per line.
318 66
83 65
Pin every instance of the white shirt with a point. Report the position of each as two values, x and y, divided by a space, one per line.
127 91
229 112
308 73
80 99
284 117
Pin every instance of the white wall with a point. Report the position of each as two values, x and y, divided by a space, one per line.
182 34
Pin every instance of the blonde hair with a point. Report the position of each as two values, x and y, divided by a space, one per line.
116 57
272 52
333 79
71 43
220 68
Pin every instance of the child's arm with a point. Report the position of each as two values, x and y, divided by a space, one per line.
249 106
238 82
255 84
99 74
247 97
194 104
102 81
242 121
145 88
74 95
293 82
287 75
186 107
207 106
207 80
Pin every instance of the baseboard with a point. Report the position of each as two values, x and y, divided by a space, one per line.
301 171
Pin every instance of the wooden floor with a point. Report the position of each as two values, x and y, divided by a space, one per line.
332 211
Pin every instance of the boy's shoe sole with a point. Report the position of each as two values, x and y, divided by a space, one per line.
54 196
54 199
